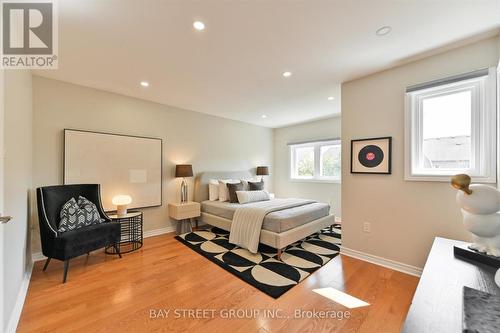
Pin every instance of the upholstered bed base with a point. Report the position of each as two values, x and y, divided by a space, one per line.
278 241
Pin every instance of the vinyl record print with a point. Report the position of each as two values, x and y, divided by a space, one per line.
371 155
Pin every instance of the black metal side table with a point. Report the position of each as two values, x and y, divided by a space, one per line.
131 232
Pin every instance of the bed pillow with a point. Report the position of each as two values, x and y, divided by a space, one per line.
223 191
232 189
213 190
256 186
245 183
252 196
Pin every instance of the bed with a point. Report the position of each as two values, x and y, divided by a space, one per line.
279 228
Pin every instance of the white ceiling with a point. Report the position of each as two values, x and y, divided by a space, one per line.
233 68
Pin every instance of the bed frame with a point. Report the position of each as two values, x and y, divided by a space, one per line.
276 240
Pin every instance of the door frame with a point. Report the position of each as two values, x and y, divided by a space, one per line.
2 157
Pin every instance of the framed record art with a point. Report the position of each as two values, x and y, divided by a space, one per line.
371 155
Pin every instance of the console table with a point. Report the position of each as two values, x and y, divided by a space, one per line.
438 301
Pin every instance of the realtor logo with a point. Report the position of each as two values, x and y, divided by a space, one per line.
29 34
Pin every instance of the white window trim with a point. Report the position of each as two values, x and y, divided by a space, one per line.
317 156
498 124
488 138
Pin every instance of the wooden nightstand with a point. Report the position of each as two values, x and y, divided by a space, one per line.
184 212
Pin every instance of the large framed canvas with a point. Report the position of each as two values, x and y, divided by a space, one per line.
122 164
371 155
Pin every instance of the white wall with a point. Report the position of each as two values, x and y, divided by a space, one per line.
209 143
405 216
284 187
17 182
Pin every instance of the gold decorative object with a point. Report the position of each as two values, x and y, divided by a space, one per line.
461 182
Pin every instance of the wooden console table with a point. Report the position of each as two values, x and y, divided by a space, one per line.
437 304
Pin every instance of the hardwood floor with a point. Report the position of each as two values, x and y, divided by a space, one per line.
107 294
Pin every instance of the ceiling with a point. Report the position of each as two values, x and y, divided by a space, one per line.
233 68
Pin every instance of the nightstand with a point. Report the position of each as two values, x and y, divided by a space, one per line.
183 212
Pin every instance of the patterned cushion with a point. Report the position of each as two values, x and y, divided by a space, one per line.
75 215
89 206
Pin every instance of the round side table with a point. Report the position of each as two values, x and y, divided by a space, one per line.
131 232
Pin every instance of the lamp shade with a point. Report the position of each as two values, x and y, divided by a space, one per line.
183 170
262 171
121 200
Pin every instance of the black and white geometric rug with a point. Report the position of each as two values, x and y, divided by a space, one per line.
262 270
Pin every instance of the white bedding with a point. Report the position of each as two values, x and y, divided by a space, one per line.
247 220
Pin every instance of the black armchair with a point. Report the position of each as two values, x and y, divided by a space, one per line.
67 245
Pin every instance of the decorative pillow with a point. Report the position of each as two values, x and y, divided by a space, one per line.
256 186
252 196
232 188
74 217
223 191
91 208
213 190
245 183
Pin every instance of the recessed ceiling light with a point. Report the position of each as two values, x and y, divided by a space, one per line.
198 25
264 116
145 83
287 74
383 30
331 98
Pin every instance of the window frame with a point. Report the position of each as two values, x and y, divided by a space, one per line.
483 130
316 145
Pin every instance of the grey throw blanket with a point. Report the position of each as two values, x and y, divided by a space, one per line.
248 219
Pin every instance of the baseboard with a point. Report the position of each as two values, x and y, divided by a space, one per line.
388 263
21 297
157 232
38 256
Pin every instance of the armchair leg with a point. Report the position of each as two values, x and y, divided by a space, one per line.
66 266
46 264
117 250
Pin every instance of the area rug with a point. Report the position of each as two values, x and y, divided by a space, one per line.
262 270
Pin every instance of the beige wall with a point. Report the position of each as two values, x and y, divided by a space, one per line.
405 216
209 143
498 48
284 187
17 181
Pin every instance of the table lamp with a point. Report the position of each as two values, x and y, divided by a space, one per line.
184 170
262 171
121 202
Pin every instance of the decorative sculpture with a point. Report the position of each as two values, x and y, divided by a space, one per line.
481 213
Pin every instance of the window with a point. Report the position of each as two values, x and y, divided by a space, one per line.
315 161
450 128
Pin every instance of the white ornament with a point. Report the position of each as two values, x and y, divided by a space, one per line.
480 206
